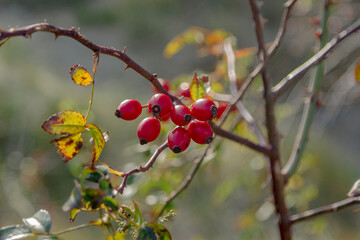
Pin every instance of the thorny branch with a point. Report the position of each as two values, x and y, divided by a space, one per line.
277 182
76 35
292 78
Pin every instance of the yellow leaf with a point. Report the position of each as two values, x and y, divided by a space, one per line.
69 146
99 141
117 236
65 123
113 171
357 72
80 75
244 52
197 89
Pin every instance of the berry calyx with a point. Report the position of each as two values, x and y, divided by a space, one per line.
204 109
148 130
179 140
200 132
180 115
184 90
128 109
160 105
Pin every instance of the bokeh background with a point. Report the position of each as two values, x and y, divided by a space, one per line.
226 200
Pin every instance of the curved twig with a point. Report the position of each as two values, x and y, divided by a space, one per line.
144 168
76 35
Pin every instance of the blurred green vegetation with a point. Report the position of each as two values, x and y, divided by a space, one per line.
226 200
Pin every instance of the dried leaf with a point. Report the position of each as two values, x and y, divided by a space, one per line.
99 141
197 88
69 147
80 75
65 123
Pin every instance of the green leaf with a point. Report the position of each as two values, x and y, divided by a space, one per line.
138 216
197 88
99 141
147 233
94 177
14 232
110 202
73 214
65 123
41 221
161 231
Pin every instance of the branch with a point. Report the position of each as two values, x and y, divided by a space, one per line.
310 106
243 141
185 183
283 25
325 209
73 33
273 138
145 168
293 77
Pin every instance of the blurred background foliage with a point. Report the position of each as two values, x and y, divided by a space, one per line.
226 200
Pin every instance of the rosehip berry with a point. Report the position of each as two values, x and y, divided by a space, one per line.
164 83
180 115
221 109
148 130
184 90
160 104
204 109
179 140
128 109
200 132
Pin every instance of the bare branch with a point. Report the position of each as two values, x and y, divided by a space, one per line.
76 35
293 77
145 168
273 138
283 25
243 141
325 209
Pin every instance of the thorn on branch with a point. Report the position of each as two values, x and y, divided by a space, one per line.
124 50
126 67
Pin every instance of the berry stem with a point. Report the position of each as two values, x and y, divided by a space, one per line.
96 63
145 106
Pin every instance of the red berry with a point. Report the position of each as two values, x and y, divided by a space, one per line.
160 104
184 90
180 115
179 140
221 109
166 117
204 109
128 109
200 132
164 83
148 130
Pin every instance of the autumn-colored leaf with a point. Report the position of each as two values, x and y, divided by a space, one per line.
65 123
69 146
113 171
244 52
80 75
190 36
197 88
3 42
117 236
357 72
99 141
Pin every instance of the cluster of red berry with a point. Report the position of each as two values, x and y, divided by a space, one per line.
161 107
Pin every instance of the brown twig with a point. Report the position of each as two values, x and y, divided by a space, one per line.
145 168
325 209
282 29
76 35
243 141
293 77
273 138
